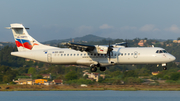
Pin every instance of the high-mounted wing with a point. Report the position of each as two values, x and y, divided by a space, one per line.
121 44
80 47
89 48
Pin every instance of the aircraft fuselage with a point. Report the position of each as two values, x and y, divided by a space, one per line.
120 55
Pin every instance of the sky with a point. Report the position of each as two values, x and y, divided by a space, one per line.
62 19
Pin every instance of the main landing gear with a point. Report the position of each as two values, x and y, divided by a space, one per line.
102 68
94 68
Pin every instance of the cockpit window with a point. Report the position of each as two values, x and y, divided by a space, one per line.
157 51
164 51
161 51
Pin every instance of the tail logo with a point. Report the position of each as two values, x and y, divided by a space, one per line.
25 43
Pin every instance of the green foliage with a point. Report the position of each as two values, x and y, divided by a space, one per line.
32 70
85 77
173 82
100 79
71 76
7 78
168 74
133 80
143 72
80 81
116 74
130 73
7 74
39 77
9 60
175 76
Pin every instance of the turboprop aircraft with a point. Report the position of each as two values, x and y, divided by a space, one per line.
95 56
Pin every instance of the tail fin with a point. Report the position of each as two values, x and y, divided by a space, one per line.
23 40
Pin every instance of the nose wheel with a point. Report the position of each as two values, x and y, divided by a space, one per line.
165 68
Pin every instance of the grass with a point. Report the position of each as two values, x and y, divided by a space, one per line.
90 88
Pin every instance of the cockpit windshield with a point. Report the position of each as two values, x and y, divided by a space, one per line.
161 51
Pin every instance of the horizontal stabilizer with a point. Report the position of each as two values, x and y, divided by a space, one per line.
15 28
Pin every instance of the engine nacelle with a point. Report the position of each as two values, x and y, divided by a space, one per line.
101 49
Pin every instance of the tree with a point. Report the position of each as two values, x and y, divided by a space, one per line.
7 78
32 70
130 73
71 75
175 76
39 77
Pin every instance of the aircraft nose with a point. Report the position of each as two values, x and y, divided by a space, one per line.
172 58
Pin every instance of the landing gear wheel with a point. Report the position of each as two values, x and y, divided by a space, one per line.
102 68
165 68
93 69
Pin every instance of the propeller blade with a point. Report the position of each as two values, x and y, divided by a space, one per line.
126 43
109 50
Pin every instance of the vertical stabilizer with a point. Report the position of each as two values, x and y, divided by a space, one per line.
23 40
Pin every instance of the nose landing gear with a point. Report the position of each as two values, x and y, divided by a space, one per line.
165 68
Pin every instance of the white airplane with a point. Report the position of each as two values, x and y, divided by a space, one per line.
89 55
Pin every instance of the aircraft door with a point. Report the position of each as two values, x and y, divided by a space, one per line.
135 54
49 57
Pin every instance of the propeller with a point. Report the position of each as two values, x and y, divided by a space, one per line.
126 43
109 50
